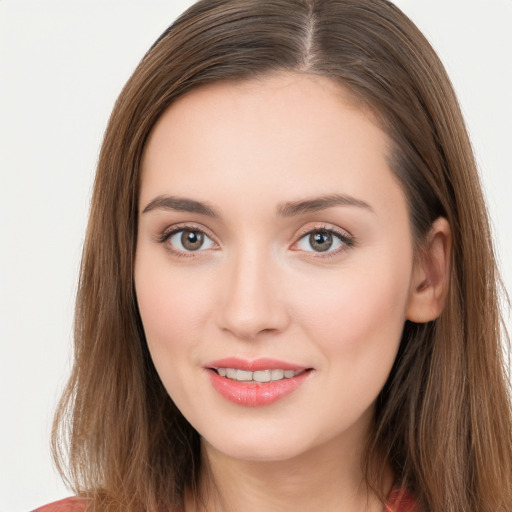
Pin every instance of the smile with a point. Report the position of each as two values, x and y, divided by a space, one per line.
255 383
257 376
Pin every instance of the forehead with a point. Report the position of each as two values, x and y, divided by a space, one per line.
288 133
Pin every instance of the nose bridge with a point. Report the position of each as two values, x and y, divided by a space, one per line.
253 302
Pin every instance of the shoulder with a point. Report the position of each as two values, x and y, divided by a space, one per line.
400 500
72 504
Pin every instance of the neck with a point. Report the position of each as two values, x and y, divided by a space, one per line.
327 478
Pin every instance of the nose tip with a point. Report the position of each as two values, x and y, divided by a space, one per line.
249 327
253 304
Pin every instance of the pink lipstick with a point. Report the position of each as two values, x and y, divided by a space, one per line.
255 383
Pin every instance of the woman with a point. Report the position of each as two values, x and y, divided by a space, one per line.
288 296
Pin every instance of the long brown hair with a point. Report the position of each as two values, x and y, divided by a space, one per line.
443 419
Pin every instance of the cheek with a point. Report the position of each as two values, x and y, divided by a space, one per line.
356 322
174 307
360 309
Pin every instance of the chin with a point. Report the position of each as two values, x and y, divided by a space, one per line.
259 446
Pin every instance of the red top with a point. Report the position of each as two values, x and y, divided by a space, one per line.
65 505
398 501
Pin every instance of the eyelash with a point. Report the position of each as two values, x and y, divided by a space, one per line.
170 232
345 238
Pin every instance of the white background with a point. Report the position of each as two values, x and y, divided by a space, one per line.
62 64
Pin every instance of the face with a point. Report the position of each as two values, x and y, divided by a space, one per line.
273 265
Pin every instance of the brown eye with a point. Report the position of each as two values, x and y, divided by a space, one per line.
192 240
188 240
321 241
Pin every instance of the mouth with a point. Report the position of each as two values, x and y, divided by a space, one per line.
255 383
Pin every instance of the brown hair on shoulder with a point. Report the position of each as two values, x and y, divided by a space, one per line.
443 419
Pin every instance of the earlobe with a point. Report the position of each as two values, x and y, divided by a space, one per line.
431 275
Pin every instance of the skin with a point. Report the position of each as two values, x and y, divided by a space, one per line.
258 288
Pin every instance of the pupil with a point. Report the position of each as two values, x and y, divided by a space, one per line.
192 240
320 241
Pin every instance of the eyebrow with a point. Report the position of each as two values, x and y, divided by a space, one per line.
180 204
293 208
287 209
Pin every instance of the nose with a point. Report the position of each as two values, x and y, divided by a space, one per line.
253 302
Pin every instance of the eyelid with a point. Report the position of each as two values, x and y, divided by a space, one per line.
169 231
319 226
346 238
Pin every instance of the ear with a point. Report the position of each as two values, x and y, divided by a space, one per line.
431 274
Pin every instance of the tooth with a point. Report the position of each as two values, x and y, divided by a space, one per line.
257 376
261 376
231 373
277 374
243 375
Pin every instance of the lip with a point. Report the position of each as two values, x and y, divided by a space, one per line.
255 365
255 394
